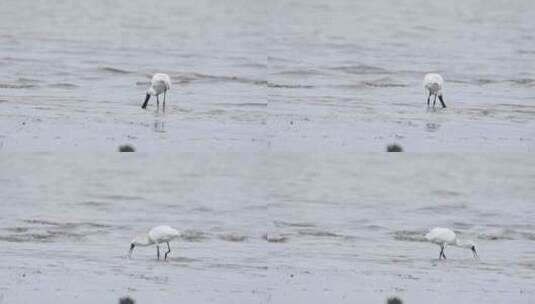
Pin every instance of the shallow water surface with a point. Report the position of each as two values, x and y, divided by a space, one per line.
266 229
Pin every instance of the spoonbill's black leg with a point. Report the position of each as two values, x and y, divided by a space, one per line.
157 103
428 99
441 252
443 255
164 95
442 101
168 250
435 100
158 252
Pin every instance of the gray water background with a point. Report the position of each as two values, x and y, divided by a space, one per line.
276 76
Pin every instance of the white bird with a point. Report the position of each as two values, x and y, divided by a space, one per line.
434 83
159 84
444 237
157 235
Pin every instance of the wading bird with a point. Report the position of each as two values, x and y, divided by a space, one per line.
433 83
159 84
157 235
444 237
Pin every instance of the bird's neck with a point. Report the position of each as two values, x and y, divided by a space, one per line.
461 243
143 241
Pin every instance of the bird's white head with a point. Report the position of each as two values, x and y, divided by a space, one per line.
469 245
139 241
151 91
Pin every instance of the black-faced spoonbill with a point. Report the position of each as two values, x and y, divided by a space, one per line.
159 84
433 83
444 237
157 235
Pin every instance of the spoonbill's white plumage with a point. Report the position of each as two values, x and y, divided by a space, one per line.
434 83
444 237
157 235
159 84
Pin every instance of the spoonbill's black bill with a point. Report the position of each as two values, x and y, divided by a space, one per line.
146 101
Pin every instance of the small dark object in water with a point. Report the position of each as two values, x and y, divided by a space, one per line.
394 148
393 300
126 300
126 148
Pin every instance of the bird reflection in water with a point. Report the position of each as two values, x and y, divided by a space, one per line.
159 126
432 127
